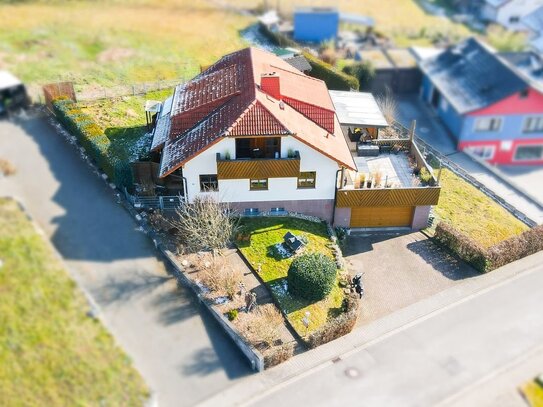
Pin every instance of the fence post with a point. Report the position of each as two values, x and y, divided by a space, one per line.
412 130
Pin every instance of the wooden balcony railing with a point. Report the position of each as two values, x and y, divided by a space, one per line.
258 168
418 196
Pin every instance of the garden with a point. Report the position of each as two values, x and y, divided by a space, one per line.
51 351
307 312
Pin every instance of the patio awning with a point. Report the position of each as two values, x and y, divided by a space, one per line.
357 109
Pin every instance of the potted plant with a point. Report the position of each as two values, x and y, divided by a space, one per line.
290 153
378 177
361 180
227 155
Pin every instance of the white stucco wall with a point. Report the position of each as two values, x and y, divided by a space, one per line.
279 189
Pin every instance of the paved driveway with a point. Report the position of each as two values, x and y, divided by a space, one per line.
399 270
178 348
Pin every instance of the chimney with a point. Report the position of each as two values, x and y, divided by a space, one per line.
269 83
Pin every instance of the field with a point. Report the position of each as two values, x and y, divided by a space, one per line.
474 213
266 232
106 43
51 352
402 20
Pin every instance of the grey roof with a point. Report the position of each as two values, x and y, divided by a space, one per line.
471 76
357 108
299 62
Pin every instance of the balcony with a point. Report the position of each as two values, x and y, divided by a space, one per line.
258 168
390 179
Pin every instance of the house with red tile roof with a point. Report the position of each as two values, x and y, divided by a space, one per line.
257 133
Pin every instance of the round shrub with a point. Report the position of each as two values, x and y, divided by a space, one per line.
312 276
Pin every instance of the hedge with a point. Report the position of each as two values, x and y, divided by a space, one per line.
485 260
334 79
516 247
312 276
92 138
336 327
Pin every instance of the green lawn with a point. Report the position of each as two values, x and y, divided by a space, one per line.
533 393
266 232
51 352
474 213
123 121
114 42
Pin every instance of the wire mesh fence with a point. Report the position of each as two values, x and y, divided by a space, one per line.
90 93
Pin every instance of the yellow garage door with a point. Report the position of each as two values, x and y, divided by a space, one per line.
367 217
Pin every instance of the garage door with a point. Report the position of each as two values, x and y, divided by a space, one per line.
366 217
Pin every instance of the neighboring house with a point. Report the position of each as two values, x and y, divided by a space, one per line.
255 132
489 106
534 24
508 13
316 24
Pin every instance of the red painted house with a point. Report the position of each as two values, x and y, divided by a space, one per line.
492 108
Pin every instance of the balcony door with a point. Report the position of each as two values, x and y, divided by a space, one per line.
258 147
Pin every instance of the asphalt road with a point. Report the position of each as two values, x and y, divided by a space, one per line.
179 349
438 360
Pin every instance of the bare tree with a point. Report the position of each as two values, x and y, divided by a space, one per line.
205 224
388 105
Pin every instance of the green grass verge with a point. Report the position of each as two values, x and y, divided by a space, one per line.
115 42
51 353
123 121
533 392
266 232
472 212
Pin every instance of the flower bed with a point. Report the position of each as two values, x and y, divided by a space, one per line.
263 234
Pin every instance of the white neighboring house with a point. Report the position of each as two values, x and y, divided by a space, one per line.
258 134
508 13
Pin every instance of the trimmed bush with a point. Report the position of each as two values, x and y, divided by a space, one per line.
92 138
363 71
515 248
334 79
312 276
462 245
508 251
336 327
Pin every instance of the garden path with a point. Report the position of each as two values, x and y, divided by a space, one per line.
263 296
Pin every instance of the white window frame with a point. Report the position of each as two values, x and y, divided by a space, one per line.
499 129
515 159
538 118
489 151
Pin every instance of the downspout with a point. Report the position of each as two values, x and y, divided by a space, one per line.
335 194
186 192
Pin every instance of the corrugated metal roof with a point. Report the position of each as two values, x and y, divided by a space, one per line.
357 108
